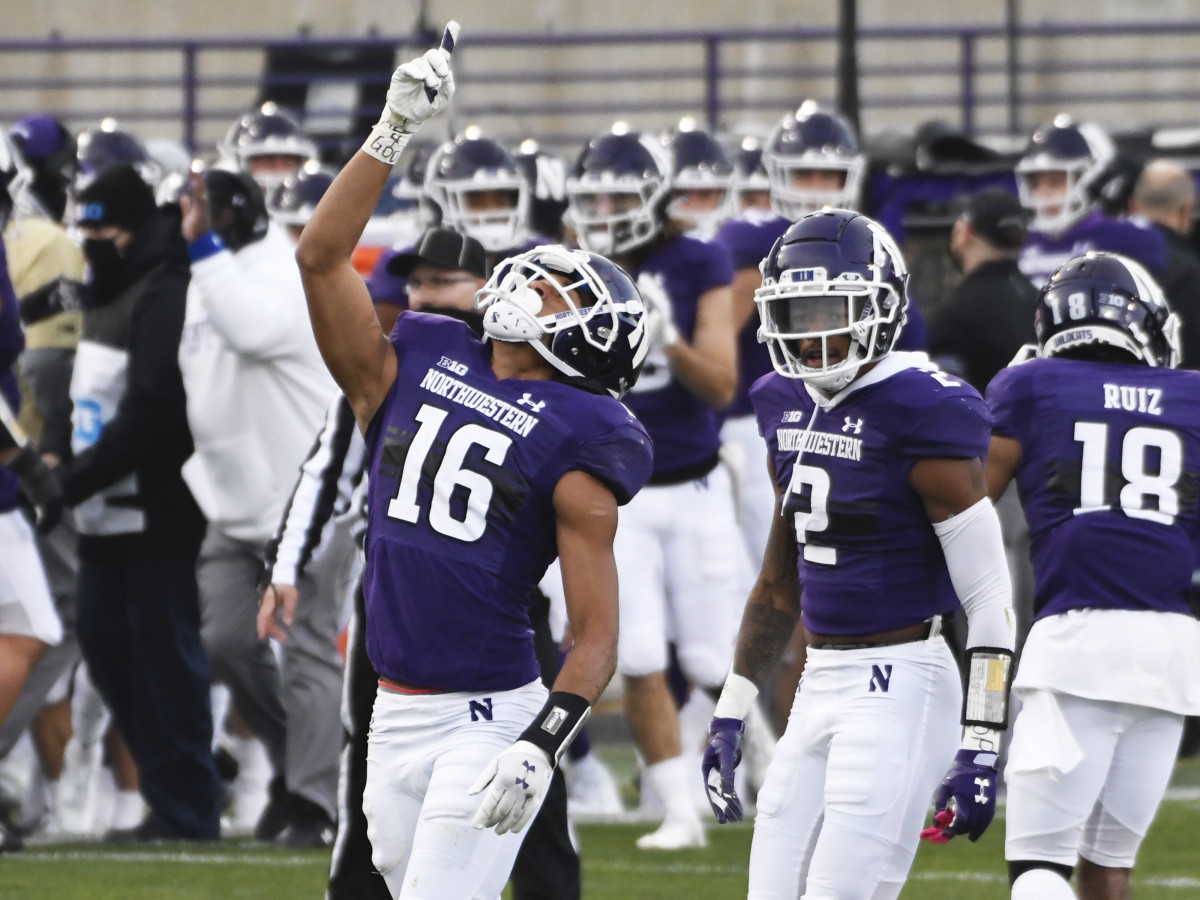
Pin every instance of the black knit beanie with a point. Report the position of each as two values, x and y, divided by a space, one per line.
117 196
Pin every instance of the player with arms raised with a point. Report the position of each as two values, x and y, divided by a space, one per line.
486 458
882 518
1102 434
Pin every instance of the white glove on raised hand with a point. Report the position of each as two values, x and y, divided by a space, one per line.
519 778
660 314
420 89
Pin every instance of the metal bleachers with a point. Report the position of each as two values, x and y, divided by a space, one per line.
565 86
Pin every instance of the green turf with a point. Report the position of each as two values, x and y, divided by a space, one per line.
1169 867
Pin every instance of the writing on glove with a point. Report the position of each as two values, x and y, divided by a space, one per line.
419 90
965 801
721 758
516 781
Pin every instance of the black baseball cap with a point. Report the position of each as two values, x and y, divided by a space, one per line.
998 216
445 249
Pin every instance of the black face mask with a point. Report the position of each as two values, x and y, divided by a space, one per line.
106 266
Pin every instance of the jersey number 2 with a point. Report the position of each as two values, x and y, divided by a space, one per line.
816 519
450 474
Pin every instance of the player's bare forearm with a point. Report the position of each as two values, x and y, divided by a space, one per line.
767 626
586 514
358 354
773 608
708 365
1004 454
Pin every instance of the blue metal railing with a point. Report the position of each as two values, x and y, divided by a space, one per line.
700 74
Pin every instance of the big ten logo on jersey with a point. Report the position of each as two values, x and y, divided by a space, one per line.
456 367
1133 399
481 709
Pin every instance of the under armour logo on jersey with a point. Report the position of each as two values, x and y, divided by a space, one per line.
527 400
853 425
523 781
982 784
881 678
481 709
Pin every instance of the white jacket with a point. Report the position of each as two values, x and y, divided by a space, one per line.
257 388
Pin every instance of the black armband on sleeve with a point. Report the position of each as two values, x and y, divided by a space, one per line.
556 725
989 678
52 298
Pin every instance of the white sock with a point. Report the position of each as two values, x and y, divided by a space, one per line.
128 809
1041 884
670 779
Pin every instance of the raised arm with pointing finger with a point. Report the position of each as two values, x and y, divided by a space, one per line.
486 459
357 352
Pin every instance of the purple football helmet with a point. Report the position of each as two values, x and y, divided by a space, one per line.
599 343
832 273
810 143
1104 299
460 174
1080 154
108 144
269 130
617 192
295 200
698 163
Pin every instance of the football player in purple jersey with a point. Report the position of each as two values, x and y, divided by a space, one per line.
486 459
1102 435
1058 180
680 556
882 519
810 161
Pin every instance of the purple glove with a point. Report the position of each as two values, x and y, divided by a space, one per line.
721 757
966 799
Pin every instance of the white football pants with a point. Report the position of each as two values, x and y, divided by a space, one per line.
871 734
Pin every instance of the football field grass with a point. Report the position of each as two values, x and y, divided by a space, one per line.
1168 869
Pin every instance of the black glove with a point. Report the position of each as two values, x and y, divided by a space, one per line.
40 487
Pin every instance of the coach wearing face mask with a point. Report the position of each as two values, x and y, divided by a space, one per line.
139 528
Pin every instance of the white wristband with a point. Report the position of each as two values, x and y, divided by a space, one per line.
981 739
386 142
737 698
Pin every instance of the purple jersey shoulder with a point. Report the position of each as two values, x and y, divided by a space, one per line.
1108 477
750 238
1132 237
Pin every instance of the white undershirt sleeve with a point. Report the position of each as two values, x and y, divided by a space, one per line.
974 551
